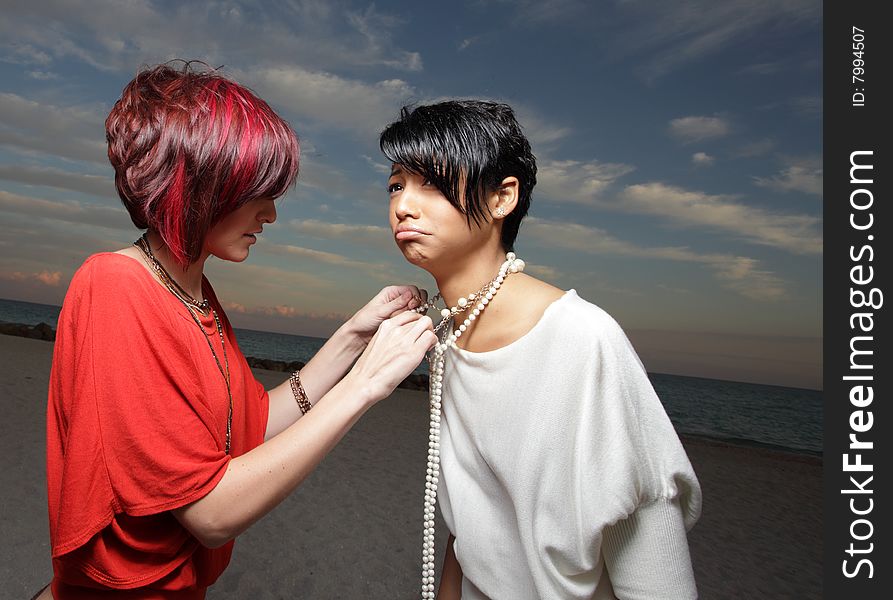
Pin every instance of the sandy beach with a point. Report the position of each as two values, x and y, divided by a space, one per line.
352 530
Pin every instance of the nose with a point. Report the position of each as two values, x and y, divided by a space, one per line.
406 205
267 213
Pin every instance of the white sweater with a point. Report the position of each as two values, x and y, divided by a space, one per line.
562 474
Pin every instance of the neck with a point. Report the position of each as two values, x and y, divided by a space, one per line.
189 278
469 276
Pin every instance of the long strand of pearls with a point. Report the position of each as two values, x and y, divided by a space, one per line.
436 363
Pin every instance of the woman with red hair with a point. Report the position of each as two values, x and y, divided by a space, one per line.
161 445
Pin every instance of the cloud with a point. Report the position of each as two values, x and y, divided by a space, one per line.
284 318
284 310
329 258
318 178
375 27
536 13
68 211
332 285
739 274
744 276
674 289
367 235
593 240
331 100
96 185
379 167
577 181
255 284
544 272
49 278
696 129
42 75
73 132
539 130
799 234
31 244
115 36
702 159
465 43
757 148
543 11
674 34
801 176
24 54
807 106
764 68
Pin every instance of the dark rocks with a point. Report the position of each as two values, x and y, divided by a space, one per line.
274 365
41 331
415 382
45 331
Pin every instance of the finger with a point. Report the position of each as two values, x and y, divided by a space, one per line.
417 298
427 340
422 325
405 317
417 329
397 305
402 298
391 292
399 311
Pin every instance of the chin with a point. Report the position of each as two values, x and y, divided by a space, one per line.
414 257
231 256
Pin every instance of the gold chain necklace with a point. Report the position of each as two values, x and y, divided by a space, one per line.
169 282
192 305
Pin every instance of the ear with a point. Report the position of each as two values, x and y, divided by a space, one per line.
505 199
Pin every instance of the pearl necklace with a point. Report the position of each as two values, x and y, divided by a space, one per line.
476 303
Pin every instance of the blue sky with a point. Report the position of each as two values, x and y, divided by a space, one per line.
679 150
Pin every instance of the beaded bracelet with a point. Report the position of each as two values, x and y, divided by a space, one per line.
300 395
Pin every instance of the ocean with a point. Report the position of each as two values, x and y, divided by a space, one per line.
744 413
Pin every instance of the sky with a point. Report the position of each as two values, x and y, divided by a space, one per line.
679 146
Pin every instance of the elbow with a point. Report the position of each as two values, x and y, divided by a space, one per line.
214 538
211 530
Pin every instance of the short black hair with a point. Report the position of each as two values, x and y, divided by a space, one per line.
480 141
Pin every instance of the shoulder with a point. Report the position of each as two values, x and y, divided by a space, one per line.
586 322
112 287
108 269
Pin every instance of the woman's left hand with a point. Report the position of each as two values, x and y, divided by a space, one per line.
389 302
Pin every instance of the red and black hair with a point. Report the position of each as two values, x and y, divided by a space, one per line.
189 147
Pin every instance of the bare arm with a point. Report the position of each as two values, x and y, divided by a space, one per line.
337 355
451 577
256 482
318 377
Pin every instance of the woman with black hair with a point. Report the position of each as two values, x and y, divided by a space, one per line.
558 472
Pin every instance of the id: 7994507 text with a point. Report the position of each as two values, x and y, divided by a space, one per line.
858 66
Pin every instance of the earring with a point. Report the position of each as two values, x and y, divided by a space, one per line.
500 212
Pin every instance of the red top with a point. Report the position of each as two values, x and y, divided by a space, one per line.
136 426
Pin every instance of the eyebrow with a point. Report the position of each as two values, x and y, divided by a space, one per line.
396 170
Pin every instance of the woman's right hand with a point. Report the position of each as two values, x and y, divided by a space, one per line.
393 352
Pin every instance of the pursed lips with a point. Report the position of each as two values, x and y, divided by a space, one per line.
409 232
